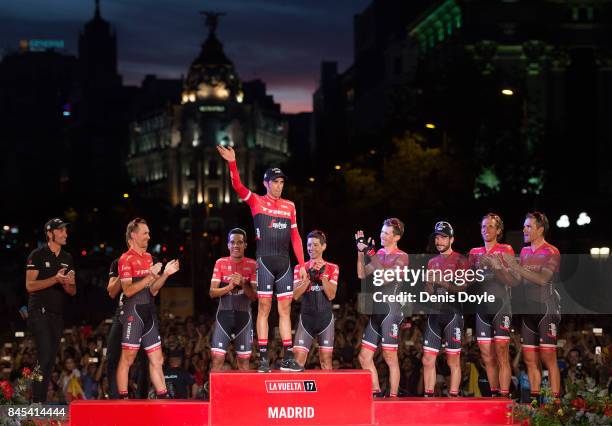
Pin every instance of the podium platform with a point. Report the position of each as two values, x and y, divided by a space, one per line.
315 398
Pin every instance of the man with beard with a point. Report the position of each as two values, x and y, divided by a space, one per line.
449 320
383 327
493 320
275 222
50 277
316 315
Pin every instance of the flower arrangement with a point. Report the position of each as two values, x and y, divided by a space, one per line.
581 405
19 393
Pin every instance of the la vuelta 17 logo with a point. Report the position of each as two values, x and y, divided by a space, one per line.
290 386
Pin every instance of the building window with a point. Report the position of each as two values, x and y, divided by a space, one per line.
213 172
213 195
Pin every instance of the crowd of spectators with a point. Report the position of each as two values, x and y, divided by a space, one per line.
81 367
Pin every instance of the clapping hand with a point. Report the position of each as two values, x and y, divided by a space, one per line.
171 267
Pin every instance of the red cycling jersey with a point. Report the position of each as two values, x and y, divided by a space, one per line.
275 221
236 299
135 266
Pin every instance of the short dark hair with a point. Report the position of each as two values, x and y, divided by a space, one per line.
396 224
540 219
133 227
317 234
497 218
238 231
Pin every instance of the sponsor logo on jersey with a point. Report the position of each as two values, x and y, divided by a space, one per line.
277 225
47 265
276 212
290 386
552 330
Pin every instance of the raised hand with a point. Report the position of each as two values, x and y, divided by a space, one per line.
227 153
360 240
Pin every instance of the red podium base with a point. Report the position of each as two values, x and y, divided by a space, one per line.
339 397
138 412
442 411
314 397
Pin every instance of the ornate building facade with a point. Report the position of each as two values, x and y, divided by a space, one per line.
172 154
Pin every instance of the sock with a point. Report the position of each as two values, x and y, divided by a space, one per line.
504 392
162 394
453 393
263 347
288 346
556 394
392 395
375 390
123 395
429 393
494 392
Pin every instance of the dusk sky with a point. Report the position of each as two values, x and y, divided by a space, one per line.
281 42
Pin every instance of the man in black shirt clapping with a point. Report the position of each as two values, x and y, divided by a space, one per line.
50 276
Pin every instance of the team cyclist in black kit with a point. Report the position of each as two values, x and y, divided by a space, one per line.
316 314
275 227
383 327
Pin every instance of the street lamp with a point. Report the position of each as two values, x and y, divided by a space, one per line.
563 221
430 126
600 252
507 92
583 219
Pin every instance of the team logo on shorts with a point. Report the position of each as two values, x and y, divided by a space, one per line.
394 331
505 325
552 330
457 335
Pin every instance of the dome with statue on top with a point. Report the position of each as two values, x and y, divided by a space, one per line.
212 75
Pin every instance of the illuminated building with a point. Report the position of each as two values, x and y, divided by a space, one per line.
172 154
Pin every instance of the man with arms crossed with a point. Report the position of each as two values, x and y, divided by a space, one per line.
538 269
383 327
316 315
234 281
493 320
140 282
275 227
449 320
